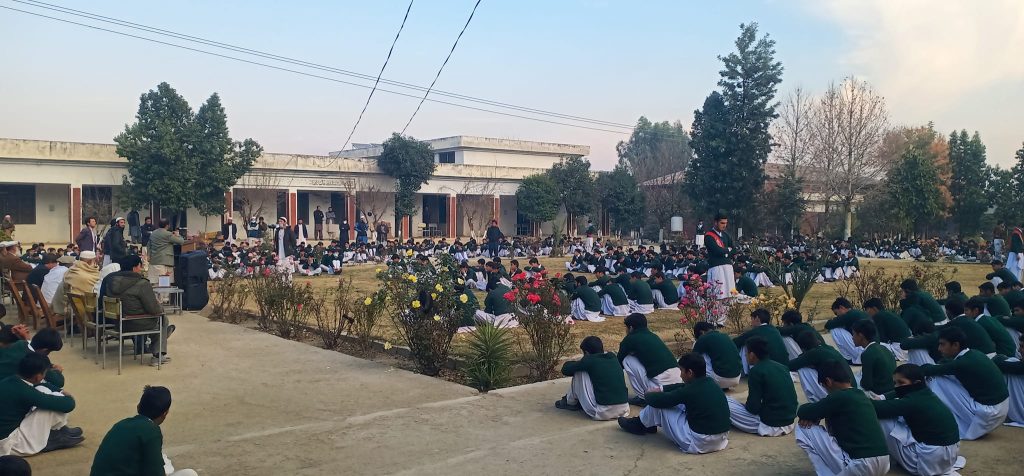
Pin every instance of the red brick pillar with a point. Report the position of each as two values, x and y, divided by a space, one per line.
350 204
453 221
293 207
406 227
496 210
75 210
229 206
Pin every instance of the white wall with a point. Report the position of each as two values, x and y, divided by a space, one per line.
52 220
504 159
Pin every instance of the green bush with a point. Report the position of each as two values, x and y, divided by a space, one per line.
490 357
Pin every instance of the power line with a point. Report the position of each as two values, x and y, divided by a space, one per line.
377 81
303 73
239 49
445 63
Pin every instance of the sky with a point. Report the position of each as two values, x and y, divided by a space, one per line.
955 63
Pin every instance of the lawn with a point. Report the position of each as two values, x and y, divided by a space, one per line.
665 323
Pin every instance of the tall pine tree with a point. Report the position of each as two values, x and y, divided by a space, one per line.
707 172
967 183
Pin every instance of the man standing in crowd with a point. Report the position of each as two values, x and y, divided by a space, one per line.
301 233
719 245
284 239
493 235
229 230
318 224
134 227
382 232
147 230
161 251
88 237
114 247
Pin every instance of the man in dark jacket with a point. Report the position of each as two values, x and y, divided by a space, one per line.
494 236
284 239
87 237
138 299
114 246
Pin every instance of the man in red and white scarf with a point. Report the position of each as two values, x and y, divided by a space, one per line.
719 246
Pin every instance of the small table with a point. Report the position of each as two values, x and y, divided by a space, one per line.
174 297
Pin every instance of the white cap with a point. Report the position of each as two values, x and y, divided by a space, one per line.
87 255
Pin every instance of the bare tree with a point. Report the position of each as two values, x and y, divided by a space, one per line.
475 202
793 131
255 193
851 122
371 200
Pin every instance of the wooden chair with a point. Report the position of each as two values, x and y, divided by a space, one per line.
92 310
43 308
79 316
112 311
24 311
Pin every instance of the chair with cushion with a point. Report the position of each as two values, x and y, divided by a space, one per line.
112 323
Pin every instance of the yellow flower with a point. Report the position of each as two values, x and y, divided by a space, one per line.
416 304
436 317
438 287
378 270
433 295
368 301
387 346
413 278
754 301
461 281
408 252
464 299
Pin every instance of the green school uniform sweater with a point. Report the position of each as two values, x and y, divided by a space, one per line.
997 305
877 366
707 410
615 291
717 254
890 327
977 373
11 356
1014 298
1013 322
816 356
771 394
928 342
955 297
931 307
18 397
917 320
977 337
776 348
641 292
495 302
132 447
1003 274
746 286
605 376
851 418
846 321
725 357
930 421
1008 367
668 290
649 349
591 301
997 332
793 330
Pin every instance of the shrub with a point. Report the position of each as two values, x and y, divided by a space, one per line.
776 304
701 302
366 317
334 317
543 312
803 277
931 277
227 297
267 288
490 357
284 308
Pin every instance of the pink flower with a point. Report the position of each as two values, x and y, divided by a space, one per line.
298 307
266 271
533 298
510 296
556 300
558 275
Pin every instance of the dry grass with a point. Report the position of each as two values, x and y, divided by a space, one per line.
663 322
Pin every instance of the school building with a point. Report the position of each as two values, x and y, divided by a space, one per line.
48 187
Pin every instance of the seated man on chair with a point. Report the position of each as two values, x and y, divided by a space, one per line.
135 445
771 401
646 359
597 386
138 299
721 355
694 414
34 420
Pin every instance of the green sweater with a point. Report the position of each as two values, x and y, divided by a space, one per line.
717 254
1003 274
616 292
846 321
955 297
997 332
1013 322
1008 367
776 348
930 421
877 368
977 373
707 410
641 292
668 290
792 330
997 305
931 307
746 286
132 447
649 349
816 356
890 327
495 302
725 357
591 301
11 356
1014 298
851 418
771 394
977 337
605 376
17 399
917 320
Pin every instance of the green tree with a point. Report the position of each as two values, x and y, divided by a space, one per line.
411 163
967 184
537 198
621 198
575 186
179 159
913 185
787 200
656 155
1001 195
708 177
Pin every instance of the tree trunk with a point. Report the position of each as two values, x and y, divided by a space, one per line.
848 222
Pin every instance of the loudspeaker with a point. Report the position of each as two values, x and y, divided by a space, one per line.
190 275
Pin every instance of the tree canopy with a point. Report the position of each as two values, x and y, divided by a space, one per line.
621 198
537 198
411 163
574 184
967 184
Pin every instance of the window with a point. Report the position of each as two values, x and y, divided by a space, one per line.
18 201
97 201
524 226
446 157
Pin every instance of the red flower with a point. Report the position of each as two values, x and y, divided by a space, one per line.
543 272
519 277
298 307
533 298
266 271
556 300
510 296
558 275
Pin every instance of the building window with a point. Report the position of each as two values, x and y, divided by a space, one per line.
18 201
97 201
446 157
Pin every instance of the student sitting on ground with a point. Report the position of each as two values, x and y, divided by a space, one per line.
597 387
694 414
854 443
497 310
585 303
977 337
995 304
641 298
613 300
135 445
721 355
970 384
1004 344
771 400
665 294
13 347
877 363
791 326
920 431
840 326
891 328
1013 369
34 420
760 321
646 359
815 354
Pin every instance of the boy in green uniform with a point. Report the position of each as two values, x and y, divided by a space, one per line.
891 328
585 303
815 355
792 324
597 387
877 363
641 298
613 300
1004 344
1000 274
853 444
840 326
646 359
771 400
744 285
14 346
723 358
1013 369
928 304
970 384
995 304
760 326
32 418
665 294
694 414
977 337
920 431
135 445
497 310
954 292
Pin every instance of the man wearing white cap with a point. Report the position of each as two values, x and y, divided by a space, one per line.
10 261
284 239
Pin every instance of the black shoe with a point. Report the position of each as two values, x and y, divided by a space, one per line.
638 401
60 441
170 330
69 431
563 404
635 426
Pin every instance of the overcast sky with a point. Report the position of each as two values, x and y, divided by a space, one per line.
956 63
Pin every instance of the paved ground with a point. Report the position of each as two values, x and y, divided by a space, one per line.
247 403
